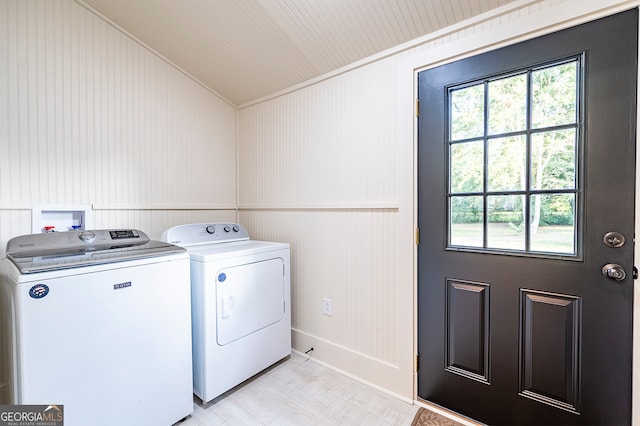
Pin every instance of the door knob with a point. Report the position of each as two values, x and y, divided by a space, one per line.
614 271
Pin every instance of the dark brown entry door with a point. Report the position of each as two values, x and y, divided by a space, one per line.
526 163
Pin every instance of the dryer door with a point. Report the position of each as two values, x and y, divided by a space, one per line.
249 297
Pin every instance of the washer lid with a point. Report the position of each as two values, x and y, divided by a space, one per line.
73 249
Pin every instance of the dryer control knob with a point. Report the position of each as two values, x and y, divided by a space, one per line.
87 235
226 228
210 229
236 228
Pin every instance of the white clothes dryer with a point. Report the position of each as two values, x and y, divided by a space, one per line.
240 304
98 322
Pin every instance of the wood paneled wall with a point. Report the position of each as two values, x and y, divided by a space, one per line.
90 116
320 168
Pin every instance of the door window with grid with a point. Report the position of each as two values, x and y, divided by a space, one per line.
514 177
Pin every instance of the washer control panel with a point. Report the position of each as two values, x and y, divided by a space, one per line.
69 241
204 233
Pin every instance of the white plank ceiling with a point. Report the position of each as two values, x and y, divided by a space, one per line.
248 49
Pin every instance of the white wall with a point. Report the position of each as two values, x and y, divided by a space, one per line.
90 116
319 168
330 168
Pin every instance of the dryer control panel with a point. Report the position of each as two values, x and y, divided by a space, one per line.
204 233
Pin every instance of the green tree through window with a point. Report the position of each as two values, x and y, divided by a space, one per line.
513 145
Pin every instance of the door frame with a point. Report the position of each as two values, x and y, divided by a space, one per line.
520 29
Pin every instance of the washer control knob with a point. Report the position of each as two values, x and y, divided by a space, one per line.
236 228
87 235
227 228
210 229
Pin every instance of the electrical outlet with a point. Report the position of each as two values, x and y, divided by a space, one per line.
327 306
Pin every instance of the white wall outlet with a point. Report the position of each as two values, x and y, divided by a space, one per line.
327 306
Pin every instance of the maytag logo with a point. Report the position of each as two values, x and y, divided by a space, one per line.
122 285
32 415
39 291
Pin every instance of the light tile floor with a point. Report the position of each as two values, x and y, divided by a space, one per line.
298 391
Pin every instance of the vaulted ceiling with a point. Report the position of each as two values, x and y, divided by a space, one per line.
248 49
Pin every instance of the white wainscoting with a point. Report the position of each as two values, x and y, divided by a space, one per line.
320 168
88 115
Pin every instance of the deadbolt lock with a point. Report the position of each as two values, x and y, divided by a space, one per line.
613 239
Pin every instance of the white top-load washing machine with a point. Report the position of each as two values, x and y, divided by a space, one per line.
98 322
240 292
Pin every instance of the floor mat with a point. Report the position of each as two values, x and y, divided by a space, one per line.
425 417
